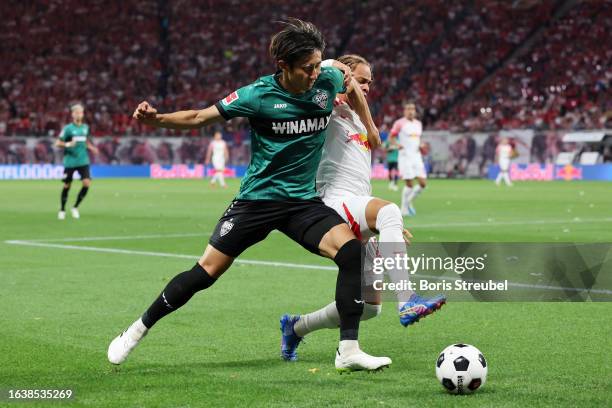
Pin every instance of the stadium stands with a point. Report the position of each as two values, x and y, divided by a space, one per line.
451 57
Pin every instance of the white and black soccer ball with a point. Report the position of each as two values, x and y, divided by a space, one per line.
461 369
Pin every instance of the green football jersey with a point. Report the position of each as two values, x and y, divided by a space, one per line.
287 134
75 156
392 152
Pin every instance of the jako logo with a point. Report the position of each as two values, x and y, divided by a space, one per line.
280 105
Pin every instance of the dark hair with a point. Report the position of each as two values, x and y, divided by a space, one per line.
297 40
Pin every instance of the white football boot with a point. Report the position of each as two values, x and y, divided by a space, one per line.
61 215
75 213
122 345
349 357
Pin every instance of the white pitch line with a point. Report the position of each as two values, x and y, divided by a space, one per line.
525 222
113 238
449 225
272 263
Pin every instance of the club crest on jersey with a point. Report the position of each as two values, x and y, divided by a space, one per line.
230 98
320 98
226 227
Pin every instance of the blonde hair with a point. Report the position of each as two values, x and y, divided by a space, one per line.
352 60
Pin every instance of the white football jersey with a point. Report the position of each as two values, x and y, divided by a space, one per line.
504 152
409 135
218 154
218 150
346 161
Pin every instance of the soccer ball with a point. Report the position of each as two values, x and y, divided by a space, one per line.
461 369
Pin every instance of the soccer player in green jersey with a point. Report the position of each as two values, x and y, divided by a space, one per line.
288 113
392 147
74 139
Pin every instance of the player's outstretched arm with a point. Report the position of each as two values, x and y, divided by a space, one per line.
63 144
358 101
208 154
190 119
92 148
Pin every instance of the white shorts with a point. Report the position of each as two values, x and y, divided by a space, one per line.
218 164
411 167
352 209
504 164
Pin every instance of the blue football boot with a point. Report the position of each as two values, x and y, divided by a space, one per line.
289 340
418 307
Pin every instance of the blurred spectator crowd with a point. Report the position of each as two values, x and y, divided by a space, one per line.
478 65
120 150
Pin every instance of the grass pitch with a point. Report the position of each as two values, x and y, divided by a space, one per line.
78 283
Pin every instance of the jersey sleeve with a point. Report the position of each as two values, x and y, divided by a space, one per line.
63 136
337 79
243 102
397 126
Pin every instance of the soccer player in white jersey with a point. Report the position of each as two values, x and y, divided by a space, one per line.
343 182
408 130
218 154
503 156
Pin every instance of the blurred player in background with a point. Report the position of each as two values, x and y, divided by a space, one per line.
74 139
408 130
392 148
289 112
218 154
503 155
343 182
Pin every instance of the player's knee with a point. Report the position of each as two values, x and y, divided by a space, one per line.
370 311
389 216
86 183
67 186
349 256
195 279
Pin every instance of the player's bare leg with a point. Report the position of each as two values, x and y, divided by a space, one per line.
179 290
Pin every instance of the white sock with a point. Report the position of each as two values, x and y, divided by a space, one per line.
221 179
213 180
414 193
348 347
499 178
406 192
390 224
137 330
329 318
507 178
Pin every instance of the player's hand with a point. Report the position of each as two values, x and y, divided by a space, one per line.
71 143
145 113
338 102
407 236
345 70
